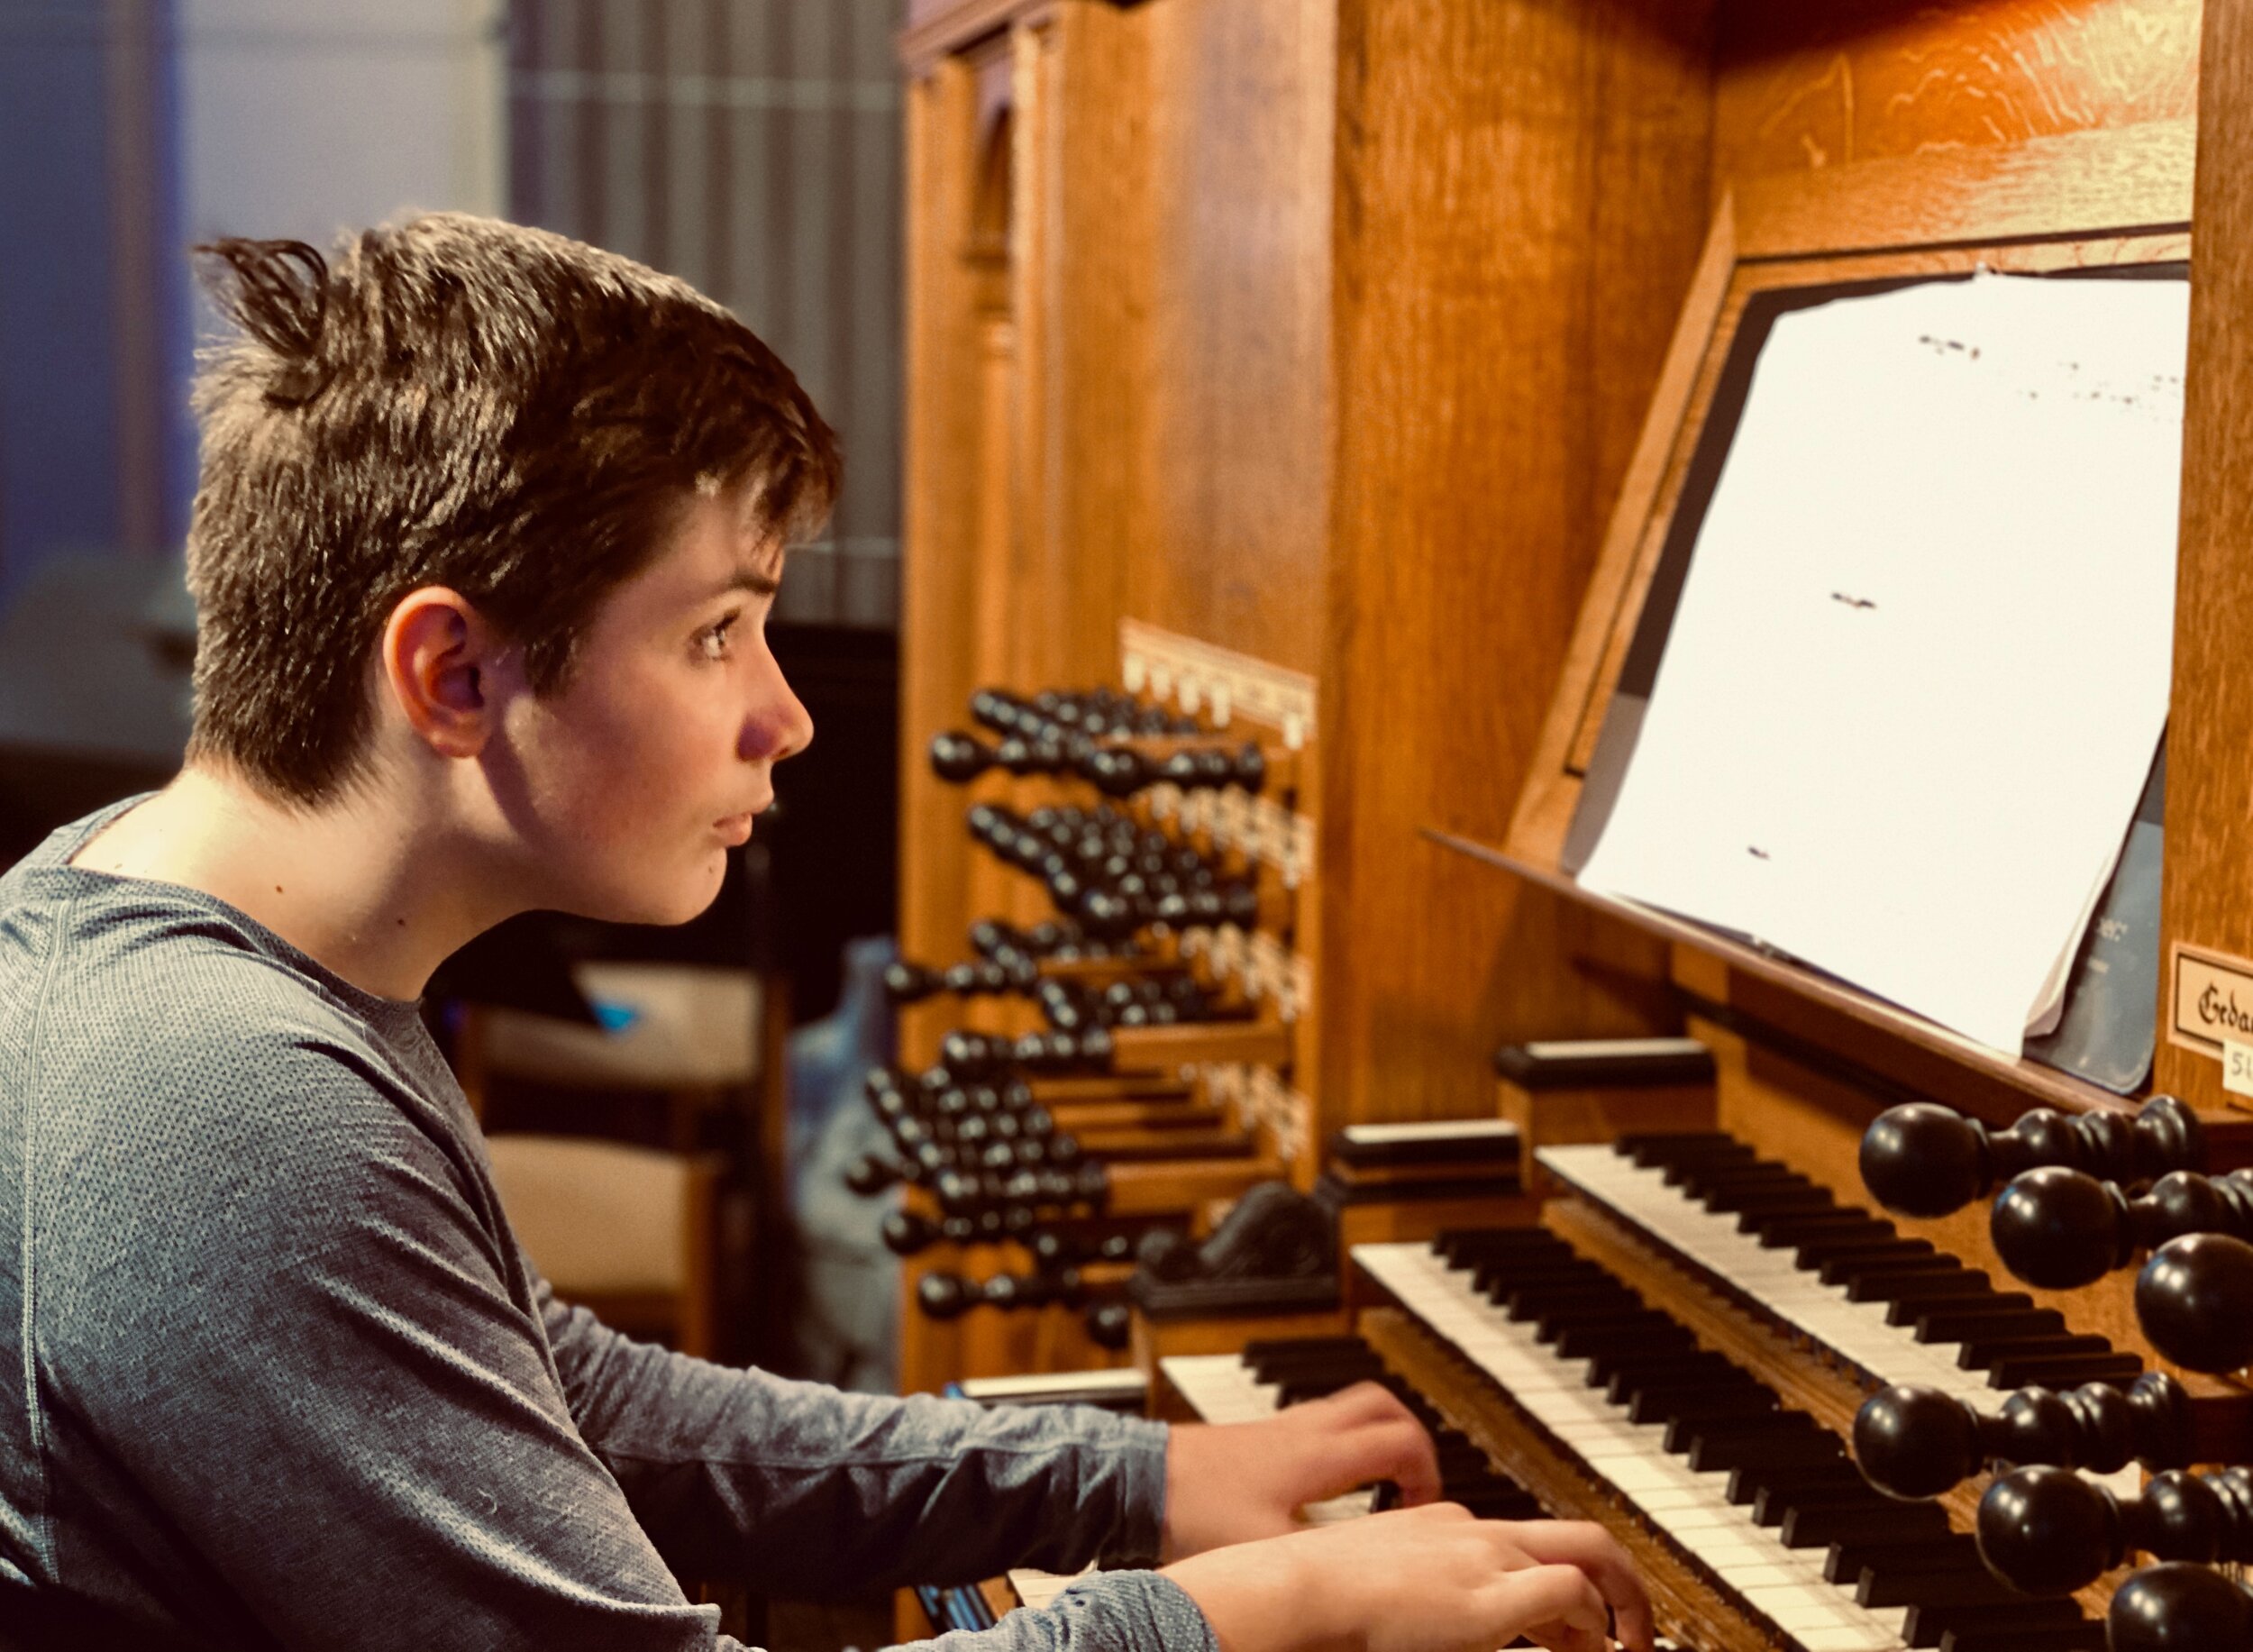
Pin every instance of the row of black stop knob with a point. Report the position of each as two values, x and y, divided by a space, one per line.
988 1152
1055 715
1111 876
1061 732
1108 1321
2080 1196
1069 1005
1115 770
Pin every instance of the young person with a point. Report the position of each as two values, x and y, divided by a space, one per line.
488 529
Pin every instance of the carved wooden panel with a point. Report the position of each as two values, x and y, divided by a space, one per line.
1807 88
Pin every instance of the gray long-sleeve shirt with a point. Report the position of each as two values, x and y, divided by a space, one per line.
274 1371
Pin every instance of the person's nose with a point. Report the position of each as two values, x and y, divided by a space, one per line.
778 724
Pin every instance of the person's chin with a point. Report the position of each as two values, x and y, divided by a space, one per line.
688 896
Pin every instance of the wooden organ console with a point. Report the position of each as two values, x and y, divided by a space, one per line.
1374 346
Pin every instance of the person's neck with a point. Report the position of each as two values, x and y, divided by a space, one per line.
359 885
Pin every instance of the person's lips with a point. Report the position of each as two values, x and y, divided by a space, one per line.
735 828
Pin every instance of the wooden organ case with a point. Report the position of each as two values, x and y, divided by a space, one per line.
1370 340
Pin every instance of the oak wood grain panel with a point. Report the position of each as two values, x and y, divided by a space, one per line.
2207 898
1231 462
1090 289
938 568
1521 201
1804 88
2077 183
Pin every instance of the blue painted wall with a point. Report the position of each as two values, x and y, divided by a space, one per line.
59 365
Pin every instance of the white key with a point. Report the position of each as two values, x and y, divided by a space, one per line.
1220 1387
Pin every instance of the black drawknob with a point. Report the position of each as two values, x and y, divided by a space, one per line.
1116 771
1092 1184
2062 1229
1038 755
971 1055
959 1194
2049 1531
904 1232
945 1296
1919 1442
1110 1325
872 1174
999 709
958 758
1008 1292
1105 912
984 977
907 983
2195 1301
1926 1160
2177 1607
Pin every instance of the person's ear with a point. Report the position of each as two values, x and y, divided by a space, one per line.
438 656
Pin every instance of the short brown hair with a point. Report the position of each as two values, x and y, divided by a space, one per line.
455 402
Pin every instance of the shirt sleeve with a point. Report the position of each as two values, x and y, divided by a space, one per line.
1117 1611
803 1491
281 1344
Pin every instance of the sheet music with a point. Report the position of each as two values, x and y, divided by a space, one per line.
1921 663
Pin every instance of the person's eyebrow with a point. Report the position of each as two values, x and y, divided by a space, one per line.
759 583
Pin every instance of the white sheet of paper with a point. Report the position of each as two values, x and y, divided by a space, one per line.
1922 660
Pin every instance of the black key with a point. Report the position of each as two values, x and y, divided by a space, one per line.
1594 1311
1927 1624
1909 1284
1843 1222
1840 1266
1774 1502
1955 1323
1815 1526
1703 1369
1715 1446
1848 1561
2065 1370
1531 1301
1953 1585
1588 1341
1978 1352
1770 1202
1603 1366
1701 1404
2003 1305
2087 1636
1286 1348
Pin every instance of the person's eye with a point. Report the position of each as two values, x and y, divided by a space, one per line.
715 641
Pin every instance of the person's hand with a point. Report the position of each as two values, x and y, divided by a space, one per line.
1231 1482
1421 1580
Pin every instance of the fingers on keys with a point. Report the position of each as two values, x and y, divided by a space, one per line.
1378 1439
1597 1555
